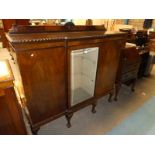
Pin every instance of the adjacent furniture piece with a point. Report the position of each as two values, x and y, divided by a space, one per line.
141 39
3 38
65 68
144 57
151 56
152 44
11 120
128 68
131 34
151 35
7 23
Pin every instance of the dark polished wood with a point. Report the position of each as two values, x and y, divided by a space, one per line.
43 73
144 57
43 56
11 119
107 67
19 28
152 35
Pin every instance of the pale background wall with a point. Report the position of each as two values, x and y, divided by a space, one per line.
95 21
137 23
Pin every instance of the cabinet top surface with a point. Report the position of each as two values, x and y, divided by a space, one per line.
58 36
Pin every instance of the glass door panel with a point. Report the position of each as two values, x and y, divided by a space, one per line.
83 74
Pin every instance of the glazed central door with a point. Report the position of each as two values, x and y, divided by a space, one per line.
83 74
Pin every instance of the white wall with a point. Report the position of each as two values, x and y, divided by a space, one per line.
79 21
83 21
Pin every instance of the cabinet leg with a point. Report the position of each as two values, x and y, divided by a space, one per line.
68 117
35 130
133 85
93 107
117 88
110 96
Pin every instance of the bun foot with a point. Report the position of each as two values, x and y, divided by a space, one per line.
35 131
110 97
93 111
93 108
68 117
68 125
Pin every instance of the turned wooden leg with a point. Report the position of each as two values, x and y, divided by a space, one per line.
68 117
117 88
35 130
133 85
93 107
110 96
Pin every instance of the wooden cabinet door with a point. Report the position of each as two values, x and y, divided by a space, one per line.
43 77
107 66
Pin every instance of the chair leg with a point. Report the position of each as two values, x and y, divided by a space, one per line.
117 88
93 107
110 96
133 85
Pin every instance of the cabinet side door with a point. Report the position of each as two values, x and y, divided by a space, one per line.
107 66
43 77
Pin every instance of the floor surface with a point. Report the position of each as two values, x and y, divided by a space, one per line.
141 122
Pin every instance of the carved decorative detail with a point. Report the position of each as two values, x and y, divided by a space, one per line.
52 39
69 27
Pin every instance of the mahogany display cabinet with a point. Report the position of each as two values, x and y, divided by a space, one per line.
64 69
